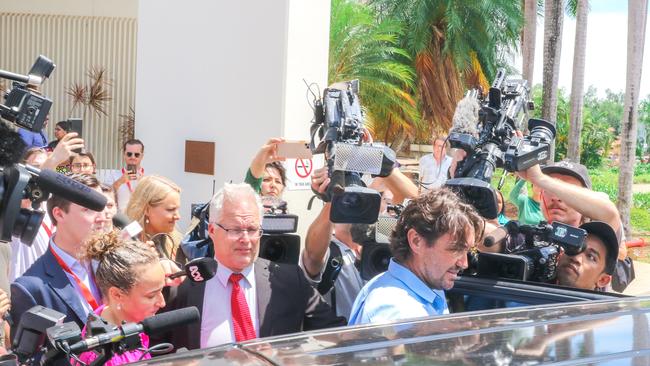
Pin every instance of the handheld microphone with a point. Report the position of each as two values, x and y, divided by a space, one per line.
67 188
129 229
152 325
198 270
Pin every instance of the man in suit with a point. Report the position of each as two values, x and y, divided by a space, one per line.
60 279
249 297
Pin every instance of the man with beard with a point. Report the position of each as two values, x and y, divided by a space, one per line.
566 197
429 246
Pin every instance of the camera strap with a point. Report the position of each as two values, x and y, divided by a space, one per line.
331 273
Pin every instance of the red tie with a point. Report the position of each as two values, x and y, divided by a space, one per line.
241 316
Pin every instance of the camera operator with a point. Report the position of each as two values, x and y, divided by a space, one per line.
429 245
324 239
566 197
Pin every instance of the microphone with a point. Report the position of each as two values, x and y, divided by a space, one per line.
128 229
500 234
67 188
466 116
198 270
152 325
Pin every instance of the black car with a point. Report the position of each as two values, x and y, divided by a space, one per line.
521 323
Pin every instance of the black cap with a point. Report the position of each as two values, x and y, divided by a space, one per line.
567 167
607 235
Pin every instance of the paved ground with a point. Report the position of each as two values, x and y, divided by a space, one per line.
641 284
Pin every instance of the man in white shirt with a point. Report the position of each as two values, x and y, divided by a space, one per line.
249 297
126 179
434 167
60 279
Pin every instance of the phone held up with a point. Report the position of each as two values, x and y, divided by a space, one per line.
294 150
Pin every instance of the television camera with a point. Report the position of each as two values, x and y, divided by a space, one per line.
278 243
339 124
25 107
530 251
486 129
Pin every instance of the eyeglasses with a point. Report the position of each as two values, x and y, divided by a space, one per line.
80 166
130 154
238 233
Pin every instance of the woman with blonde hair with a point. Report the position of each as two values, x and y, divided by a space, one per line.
130 278
155 204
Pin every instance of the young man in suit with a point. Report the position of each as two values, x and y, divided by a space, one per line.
60 279
249 297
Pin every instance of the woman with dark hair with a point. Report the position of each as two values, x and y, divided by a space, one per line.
266 173
60 129
130 278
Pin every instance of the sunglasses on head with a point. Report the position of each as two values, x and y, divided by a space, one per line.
130 154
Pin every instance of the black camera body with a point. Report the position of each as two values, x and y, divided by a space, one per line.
531 252
338 121
500 116
278 244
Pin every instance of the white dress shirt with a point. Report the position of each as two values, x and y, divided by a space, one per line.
216 318
123 194
81 270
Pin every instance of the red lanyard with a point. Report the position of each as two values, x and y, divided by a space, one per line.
47 229
84 289
128 182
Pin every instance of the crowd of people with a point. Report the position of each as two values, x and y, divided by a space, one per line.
81 266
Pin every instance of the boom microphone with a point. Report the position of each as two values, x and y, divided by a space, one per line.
198 270
68 188
12 145
152 325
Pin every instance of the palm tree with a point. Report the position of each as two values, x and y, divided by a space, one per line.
553 17
637 14
455 45
366 49
578 79
528 37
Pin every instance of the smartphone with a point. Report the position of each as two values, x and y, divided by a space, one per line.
131 168
75 125
294 150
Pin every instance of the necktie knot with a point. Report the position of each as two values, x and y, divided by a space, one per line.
235 278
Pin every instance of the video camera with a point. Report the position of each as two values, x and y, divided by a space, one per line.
29 109
23 105
338 121
277 243
43 338
530 251
486 130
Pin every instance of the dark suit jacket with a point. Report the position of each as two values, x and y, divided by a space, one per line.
45 283
286 302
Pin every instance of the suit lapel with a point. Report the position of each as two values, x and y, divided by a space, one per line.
61 285
263 293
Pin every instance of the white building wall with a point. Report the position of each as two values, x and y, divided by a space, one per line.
227 72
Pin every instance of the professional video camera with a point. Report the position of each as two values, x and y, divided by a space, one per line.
42 337
338 121
487 133
530 251
277 243
24 106
28 109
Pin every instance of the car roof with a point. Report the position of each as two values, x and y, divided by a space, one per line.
612 331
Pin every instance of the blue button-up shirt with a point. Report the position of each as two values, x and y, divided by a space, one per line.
396 294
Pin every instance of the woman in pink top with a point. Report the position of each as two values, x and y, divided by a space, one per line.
130 278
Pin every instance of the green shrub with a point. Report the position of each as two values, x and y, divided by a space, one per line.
640 219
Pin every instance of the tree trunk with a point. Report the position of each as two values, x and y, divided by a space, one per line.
636 25
578 80
553 19
528 37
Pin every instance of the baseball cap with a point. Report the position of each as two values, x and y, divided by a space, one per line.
607 235
567 167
